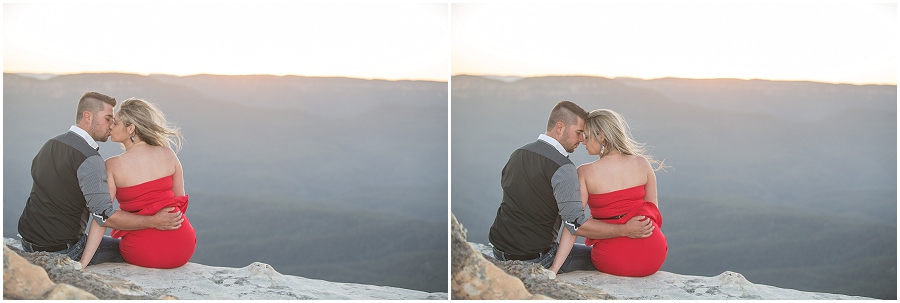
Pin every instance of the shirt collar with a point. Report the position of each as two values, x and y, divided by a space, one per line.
555 144
84 134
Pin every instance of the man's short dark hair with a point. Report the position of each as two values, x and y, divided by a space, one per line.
92 102
566 112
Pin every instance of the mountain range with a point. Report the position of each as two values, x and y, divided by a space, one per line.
337 179
792 184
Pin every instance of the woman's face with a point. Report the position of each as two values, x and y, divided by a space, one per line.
118 133
591 143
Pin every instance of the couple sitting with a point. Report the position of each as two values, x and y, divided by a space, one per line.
72 184
542 190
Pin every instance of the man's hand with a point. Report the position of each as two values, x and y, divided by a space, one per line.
638 227
167 219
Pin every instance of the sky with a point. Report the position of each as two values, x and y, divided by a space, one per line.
832 43
399 41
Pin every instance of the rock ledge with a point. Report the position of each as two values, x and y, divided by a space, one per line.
191 281
669 286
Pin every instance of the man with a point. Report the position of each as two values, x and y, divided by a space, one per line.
541 192
70 188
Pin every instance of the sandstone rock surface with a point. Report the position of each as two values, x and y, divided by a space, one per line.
25 281
191 281
669 286
537 280
474 277
255 281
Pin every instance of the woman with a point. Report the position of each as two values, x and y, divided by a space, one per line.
619 185
146 178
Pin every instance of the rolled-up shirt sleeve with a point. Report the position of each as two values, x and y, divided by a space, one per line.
567 191
92 179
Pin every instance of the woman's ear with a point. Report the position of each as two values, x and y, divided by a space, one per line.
130 130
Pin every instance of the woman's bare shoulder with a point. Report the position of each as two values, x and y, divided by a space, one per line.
162 151
169 155
587 166
582 166
642 162
114 160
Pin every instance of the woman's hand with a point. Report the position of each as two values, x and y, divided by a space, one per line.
95 235
638 227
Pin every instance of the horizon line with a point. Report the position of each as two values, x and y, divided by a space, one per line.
670 77
212 74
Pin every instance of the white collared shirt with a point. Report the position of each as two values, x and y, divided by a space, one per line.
85 135
555 143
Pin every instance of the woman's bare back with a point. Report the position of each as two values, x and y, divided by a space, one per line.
142 163
614 172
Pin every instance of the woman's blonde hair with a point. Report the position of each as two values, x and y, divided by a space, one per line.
149 123
617 134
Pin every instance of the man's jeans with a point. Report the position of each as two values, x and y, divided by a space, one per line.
108 251
579 258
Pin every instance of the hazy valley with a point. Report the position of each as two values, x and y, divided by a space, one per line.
328 178
792 184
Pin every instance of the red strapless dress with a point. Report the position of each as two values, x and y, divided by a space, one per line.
623 256
152 247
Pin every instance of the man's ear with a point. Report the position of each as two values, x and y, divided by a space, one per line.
559 128
87 117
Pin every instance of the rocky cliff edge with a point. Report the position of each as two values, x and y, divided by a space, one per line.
477 275
51 276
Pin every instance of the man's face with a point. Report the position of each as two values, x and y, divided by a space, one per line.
102 123
572 136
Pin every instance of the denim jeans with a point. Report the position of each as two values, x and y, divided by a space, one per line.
107 251
579 259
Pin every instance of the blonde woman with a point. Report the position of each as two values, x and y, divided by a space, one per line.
619 185
146 178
